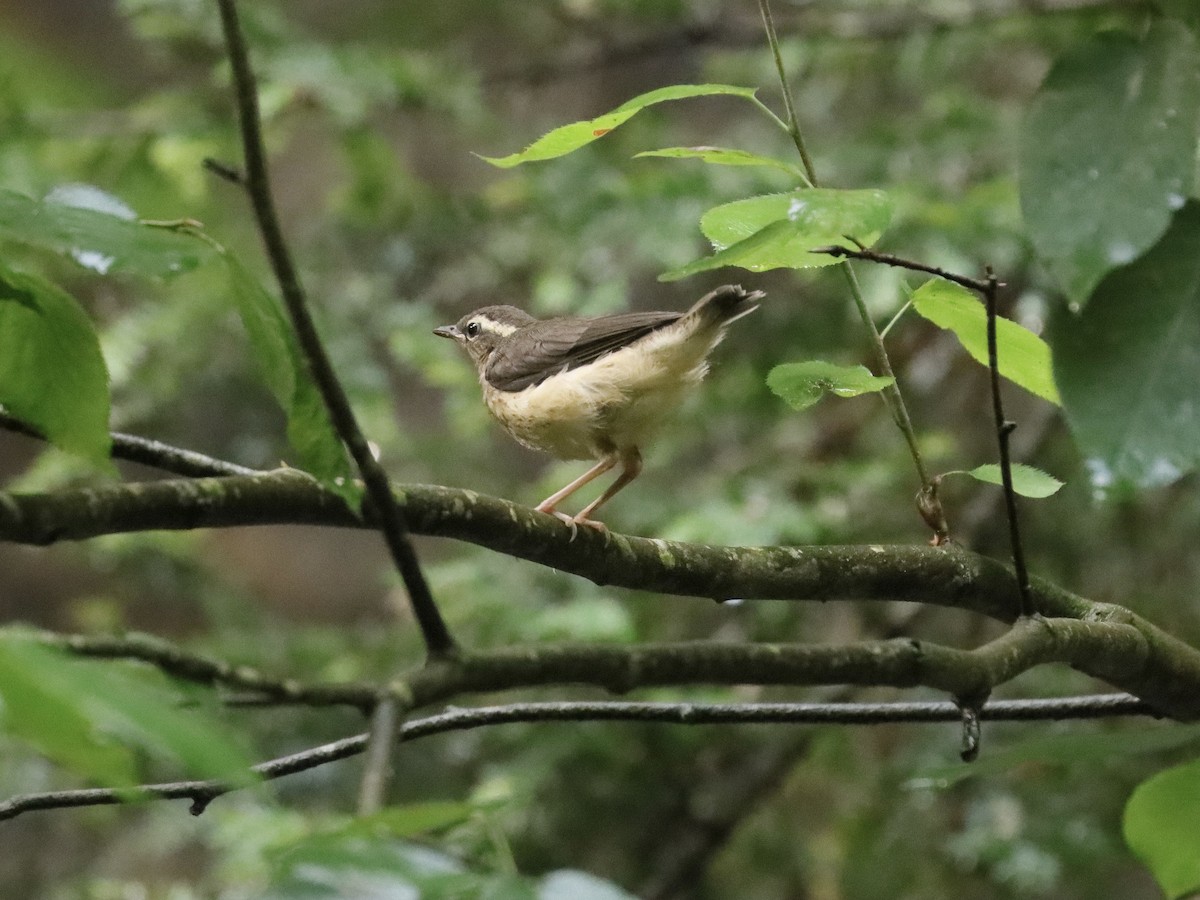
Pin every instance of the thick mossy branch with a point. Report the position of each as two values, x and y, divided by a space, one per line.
1105 641
943 576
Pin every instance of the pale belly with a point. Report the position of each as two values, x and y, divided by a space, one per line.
615 403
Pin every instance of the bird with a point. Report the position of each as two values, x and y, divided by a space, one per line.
593 387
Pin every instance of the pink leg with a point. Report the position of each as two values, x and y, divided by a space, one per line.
631 467
550 503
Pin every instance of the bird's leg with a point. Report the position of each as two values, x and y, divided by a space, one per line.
550 503
631 467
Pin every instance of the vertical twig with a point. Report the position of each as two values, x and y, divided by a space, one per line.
1004 429
377 761
928 502
382 504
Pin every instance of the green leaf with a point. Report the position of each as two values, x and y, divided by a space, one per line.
1108 151
721 156
568 138
278 355
345 865
35 709
1027 480
52 374
1023 356
743 253
804 383
135 704
99 232
780 230
1162 825
1128 365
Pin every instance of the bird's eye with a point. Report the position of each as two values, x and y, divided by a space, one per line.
472 329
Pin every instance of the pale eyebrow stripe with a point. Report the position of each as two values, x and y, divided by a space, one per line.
504 329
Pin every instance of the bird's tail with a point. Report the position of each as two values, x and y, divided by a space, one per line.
726 304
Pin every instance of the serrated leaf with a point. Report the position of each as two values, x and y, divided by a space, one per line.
279 359
722 156
1129 368
804 383
1028 481
1161 824
100 235
1108 151
780 230
52 373
568 138
1023 356
111 699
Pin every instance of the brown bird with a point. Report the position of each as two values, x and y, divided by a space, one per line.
593 388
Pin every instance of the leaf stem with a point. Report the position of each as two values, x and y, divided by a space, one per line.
930 507
793 124
896 318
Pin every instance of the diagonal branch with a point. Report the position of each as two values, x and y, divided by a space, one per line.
387 515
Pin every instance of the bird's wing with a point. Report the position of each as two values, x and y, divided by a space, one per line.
556 345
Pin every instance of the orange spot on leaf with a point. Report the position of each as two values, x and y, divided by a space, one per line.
601 132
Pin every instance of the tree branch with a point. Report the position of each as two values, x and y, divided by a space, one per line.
147 452
1155 666
942 576
888 259
386 514
201 793
211 672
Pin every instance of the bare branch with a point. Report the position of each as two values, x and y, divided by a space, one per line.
1004 430
206 670
888 259
148 453
201 793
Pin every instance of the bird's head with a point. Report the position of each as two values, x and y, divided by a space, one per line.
480 332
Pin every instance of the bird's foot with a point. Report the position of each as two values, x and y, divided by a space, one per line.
573 522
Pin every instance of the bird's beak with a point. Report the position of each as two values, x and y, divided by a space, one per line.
448 331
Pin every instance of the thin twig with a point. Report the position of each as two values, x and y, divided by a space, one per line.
377 767
148 453
974 284
223 170
1004 430
203 792
893 398
438 641
212 672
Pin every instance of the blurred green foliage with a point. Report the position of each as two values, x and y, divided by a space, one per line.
372 113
